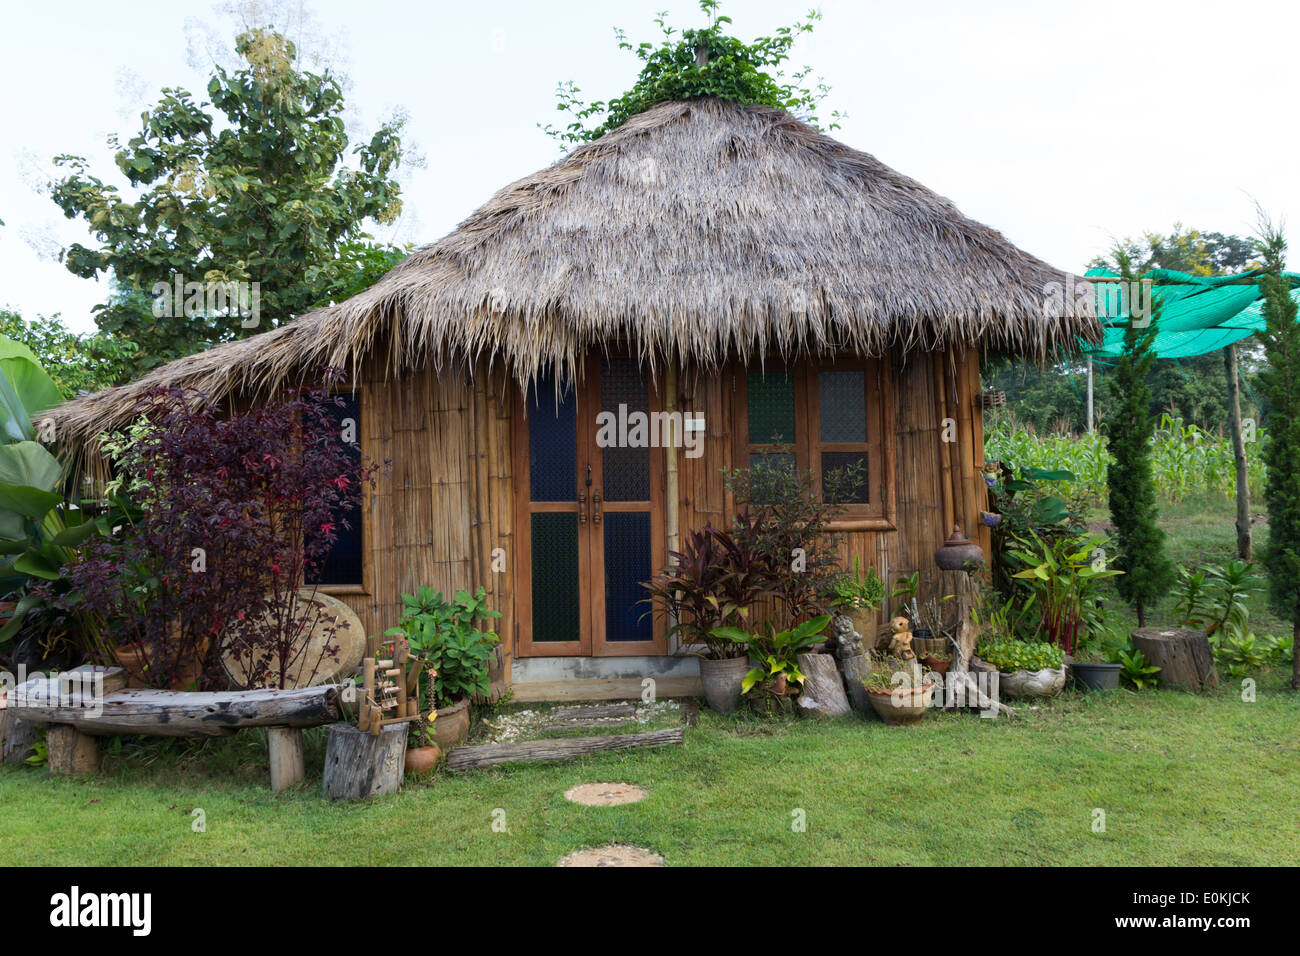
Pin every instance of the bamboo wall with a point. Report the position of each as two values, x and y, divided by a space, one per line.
447 500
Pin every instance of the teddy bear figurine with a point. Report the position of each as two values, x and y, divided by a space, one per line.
900 644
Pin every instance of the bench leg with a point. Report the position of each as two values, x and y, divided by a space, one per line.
287 768
70 751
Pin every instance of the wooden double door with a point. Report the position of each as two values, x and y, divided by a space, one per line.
589 476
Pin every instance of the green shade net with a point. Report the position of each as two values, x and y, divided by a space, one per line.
1198 314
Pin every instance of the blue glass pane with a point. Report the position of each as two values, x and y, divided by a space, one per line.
626 461
552 443
627 564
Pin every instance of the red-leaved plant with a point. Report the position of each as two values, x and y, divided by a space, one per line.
238 511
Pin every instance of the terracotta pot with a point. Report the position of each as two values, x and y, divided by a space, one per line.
132 660
422 759
452 726
904 710
765 701
937 665
721 681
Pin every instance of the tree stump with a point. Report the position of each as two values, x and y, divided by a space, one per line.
17 737
287 764
856 670
823 688
70 751
360 765
1182 654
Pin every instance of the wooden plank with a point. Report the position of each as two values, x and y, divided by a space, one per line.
587 723
599 710
166 713
287 765
603 688
530 751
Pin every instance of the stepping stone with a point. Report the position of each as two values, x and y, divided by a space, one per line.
605 794
598 710
613 854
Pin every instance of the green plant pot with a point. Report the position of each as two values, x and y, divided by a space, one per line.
1096 676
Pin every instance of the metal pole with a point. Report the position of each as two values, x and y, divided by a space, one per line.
1090 394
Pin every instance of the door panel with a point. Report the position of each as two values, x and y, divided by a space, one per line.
593 507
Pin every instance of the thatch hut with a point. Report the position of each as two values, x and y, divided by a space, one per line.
783 292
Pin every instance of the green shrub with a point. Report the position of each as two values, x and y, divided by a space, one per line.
1011 655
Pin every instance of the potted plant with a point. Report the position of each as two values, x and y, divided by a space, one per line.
777 675
444 636
857 595
1094 666
898 693
1025 669
712 582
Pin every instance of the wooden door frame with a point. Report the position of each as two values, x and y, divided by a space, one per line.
591 640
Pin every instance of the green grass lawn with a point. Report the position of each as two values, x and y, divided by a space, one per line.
1182 779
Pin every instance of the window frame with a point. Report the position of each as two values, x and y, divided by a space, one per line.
879 513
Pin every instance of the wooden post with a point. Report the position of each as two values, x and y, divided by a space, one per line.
17 737
1238 453
671 483
823 688
945 448
287 766
71 752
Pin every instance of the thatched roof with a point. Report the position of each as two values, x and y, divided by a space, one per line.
700 229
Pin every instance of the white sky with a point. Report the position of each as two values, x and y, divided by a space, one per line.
1064 125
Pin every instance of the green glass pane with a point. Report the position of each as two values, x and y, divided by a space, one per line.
771 408
842 404
855 492
555 577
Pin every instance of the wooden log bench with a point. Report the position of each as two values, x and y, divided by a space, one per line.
87 703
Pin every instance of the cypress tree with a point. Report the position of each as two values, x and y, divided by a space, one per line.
1148 573
1280 383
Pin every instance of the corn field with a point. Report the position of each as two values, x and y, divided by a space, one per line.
1186 460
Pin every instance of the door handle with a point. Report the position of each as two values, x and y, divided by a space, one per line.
582 508
595 507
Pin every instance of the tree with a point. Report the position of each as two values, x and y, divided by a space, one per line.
1280 382
249 186
74 362
700 62
1148 573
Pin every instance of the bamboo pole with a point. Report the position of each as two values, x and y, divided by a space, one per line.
945 448
671 496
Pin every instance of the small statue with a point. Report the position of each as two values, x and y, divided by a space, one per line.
847 640
900 644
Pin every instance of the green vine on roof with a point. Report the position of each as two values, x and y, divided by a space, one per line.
689 64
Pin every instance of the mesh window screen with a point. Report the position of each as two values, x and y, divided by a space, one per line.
555 577
843 406
857 493
771 408
626 468
552 443
627 563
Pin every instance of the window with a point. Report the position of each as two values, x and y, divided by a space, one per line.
342 567
823 419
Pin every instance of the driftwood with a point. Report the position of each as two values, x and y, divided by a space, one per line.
488 755
823 689
166 713
360 764
1182 654
857 669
